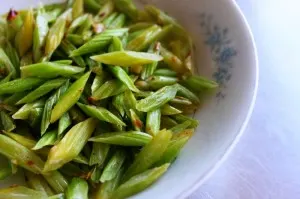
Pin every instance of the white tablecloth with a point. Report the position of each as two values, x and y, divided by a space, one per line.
266 162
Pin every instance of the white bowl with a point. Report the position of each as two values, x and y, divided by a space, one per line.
225 51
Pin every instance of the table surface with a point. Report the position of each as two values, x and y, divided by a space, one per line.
266 162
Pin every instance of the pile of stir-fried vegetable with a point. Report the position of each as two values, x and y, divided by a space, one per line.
94 98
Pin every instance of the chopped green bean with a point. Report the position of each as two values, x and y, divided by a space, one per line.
159 98
127 58
128 7
42 90
108 20
71 145
105 10
49 138
113 167
68 48
108 89
150 154
24 112
153 121
199 84
157 82
6 65
149 69
169 110
24 37
22 155
99 153
20 192
99 42
23 140
78 188
69 98
118 22
106 189
49 70
101 114
55 36
181 127
139 182
136 121
38 183
165 72
57 181
13 56
77 8
58 196
49 105
81 159
19 85
182 118
76 115
39 35
64 123
7 122
145 39
174 148
129 138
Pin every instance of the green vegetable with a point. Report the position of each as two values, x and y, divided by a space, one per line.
101 114
130 138
127 58
106 189
150 154
20 154
169 110
139 182
71 145
6 65
39 35
128 7
42 90
55 36
174 147
56 180
49 138
24 112
49 70
19 85
24 37
153 121
200 84
99 42
145 39
38 183
181 127
64 123
69 98
68 47
7 122
49 105
159 98
78 188
77 9
157 82
108 89
113 167
28 142
20 192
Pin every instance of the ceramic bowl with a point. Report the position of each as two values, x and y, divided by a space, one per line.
225 52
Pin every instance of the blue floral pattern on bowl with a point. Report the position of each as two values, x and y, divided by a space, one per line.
221 49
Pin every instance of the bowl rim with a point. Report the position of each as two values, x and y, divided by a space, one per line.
188 191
